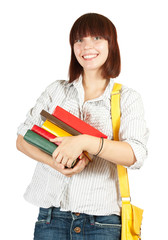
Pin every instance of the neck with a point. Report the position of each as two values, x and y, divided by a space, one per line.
94 80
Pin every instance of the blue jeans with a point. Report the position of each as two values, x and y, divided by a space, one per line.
54 224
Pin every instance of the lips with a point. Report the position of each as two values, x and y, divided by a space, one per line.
89 56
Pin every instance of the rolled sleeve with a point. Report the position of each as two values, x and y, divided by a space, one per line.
133 128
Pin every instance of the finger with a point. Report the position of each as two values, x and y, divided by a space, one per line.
83 162
57 139
79 166
68 172
55 154
64 160
72 171
53 139
59 158
70 163
60 166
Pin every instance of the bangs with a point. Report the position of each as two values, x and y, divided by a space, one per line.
89 25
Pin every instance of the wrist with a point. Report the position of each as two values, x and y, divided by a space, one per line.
82 140
91 144
100 146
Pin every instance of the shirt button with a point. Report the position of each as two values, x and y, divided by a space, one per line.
77 229
77 214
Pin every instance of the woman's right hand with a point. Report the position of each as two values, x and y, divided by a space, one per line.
69 172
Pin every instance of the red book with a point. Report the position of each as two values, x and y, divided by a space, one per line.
76 123
43 133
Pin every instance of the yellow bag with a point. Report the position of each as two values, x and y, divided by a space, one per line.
131 216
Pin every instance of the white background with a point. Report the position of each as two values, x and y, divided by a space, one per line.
34 51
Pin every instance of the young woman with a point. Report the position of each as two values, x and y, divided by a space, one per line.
84 202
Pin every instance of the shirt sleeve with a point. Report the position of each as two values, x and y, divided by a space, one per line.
133 128
47 99
33 116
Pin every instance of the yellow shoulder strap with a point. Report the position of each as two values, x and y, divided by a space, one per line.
115 115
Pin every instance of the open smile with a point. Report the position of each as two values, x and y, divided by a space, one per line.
89 56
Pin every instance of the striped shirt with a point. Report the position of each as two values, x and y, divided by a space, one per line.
95 190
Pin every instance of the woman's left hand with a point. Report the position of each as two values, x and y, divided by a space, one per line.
69 149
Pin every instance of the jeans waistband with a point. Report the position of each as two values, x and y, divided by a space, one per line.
55 212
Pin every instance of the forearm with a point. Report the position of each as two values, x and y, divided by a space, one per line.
42 157
116 152
33 152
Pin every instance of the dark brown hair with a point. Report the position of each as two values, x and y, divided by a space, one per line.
93 24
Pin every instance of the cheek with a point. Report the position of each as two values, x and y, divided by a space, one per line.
104 49
105 52
76 50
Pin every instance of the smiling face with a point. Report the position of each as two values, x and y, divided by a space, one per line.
93 41
91 52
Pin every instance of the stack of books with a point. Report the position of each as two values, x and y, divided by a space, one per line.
59 124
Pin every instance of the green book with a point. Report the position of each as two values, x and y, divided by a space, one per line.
40 142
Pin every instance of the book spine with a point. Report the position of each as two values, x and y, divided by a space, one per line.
55 130
47 116
42 132
40 142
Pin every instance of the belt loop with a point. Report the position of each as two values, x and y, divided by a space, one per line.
92 221
49 215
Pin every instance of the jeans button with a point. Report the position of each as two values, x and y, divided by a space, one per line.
77 229
77 214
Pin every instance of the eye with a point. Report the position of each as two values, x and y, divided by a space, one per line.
78 40
97 38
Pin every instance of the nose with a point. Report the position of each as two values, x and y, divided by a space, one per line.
88 43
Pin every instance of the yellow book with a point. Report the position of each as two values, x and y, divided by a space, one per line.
55 130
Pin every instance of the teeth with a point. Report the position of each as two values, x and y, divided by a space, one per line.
89 56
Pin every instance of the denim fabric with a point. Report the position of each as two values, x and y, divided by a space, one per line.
54 224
